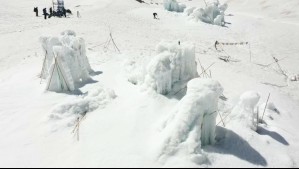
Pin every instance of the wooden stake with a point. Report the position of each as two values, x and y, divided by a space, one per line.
225 116
43 69
114 43
257 118
78 129
221 119
282 72
265 107
205 2
207 69
180 90
51 75
59 70
249 51
276 61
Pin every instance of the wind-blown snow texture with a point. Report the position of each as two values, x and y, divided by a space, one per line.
69 112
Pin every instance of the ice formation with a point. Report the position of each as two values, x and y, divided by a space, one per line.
193 123
173 5
244 112
173 63
213 13
65 62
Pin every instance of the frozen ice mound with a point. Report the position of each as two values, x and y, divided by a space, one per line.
173 5
244 112
65 63
173 63
193 122
213 13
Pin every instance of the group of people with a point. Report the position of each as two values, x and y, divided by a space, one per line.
59 13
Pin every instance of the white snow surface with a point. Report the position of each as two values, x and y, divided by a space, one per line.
122 126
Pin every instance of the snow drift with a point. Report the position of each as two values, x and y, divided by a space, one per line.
193 123
244 112
173 5
173 63
213 13
65 114
65 63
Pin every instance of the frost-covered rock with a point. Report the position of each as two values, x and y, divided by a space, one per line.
244 112
65 63
135 71
173 5
213 13
173 63
193 122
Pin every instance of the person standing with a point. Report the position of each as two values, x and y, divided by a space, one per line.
64 11
51 11
36 11
45 13
155 15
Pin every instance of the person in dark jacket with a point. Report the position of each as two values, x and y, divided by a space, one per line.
36 11
51 11
45 13
64 12
155 15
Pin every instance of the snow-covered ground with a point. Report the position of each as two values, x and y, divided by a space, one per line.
123 126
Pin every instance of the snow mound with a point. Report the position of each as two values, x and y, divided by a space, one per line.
294 78
244 112
135 70
213 13
173 63
173 5
193 123
65 63
67 113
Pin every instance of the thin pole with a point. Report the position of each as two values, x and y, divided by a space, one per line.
63 77
51 75
114 43
207 69
226 115
257 118
41 74
205 2
78 129
249 52
265 107
221 119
